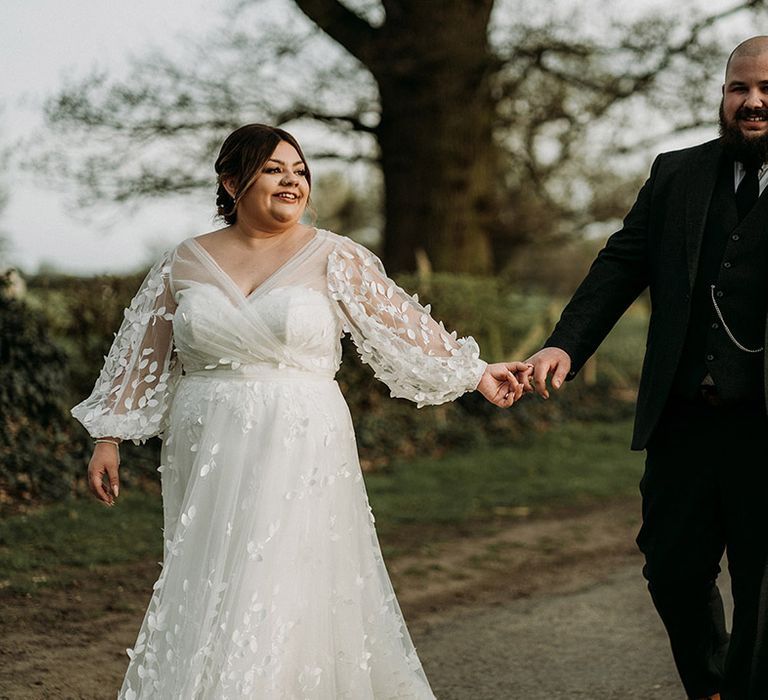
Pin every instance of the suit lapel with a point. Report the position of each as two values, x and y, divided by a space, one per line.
701 178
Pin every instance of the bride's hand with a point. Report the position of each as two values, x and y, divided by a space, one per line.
503 383
105 462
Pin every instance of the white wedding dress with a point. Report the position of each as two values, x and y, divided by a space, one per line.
273 585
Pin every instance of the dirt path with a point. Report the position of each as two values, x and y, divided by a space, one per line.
492 616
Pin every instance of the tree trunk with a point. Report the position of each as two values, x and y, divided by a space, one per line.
437 152
433 66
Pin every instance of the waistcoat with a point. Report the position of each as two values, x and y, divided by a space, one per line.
734 257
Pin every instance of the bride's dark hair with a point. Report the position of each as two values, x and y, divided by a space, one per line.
241 158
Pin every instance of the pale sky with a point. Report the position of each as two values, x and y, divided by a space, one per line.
41 43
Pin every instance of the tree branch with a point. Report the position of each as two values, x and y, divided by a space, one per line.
333 155
620 86
683 46
303 112
646 143
343 25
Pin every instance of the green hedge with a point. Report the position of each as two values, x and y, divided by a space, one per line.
78 317
41 453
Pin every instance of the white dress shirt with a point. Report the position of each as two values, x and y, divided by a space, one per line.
739 171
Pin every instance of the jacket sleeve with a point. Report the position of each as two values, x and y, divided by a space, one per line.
616 278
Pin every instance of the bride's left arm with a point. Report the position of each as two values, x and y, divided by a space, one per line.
414 355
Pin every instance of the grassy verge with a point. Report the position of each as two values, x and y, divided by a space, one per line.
562 467
575 465
50 545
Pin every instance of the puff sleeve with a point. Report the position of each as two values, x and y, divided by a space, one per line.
409 351
132 394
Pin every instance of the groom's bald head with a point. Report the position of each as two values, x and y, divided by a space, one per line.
749 48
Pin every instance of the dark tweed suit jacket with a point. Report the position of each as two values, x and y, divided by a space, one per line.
658 247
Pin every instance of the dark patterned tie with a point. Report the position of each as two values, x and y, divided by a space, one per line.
748 190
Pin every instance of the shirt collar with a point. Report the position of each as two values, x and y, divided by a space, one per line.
740 169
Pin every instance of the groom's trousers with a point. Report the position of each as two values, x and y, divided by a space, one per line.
705 491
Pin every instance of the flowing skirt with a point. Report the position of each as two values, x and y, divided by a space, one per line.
273 585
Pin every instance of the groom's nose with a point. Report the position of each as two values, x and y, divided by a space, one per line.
755 99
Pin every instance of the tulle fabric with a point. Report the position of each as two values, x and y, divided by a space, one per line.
273 584
133 392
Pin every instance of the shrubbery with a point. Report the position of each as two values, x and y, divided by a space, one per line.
41 453
81 315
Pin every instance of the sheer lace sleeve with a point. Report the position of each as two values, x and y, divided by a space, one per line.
131 395
409 351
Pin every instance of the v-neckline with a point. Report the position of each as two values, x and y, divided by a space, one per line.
291 259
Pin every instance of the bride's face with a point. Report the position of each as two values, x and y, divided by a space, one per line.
278 197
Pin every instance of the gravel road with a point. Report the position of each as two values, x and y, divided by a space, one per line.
603 642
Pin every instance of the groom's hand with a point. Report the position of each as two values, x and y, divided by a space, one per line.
549 360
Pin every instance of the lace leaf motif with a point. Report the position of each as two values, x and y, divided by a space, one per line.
132 394
414 355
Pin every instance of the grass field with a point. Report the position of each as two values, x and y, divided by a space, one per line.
577 465
567 467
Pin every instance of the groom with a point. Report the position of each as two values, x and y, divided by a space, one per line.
697 236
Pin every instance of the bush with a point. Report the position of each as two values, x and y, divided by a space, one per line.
41 455
82 314
507 326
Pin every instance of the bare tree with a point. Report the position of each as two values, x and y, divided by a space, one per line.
481 115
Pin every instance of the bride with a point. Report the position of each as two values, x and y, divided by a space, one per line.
273 585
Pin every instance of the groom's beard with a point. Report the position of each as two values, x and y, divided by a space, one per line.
738 146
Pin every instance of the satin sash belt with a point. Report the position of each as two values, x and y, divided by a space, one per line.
263 371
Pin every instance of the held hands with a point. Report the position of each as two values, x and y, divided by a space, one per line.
547 361
503 383
105 461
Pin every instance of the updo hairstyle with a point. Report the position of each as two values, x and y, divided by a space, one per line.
241 158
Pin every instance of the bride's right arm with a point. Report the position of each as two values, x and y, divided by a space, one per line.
132 394
105 461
